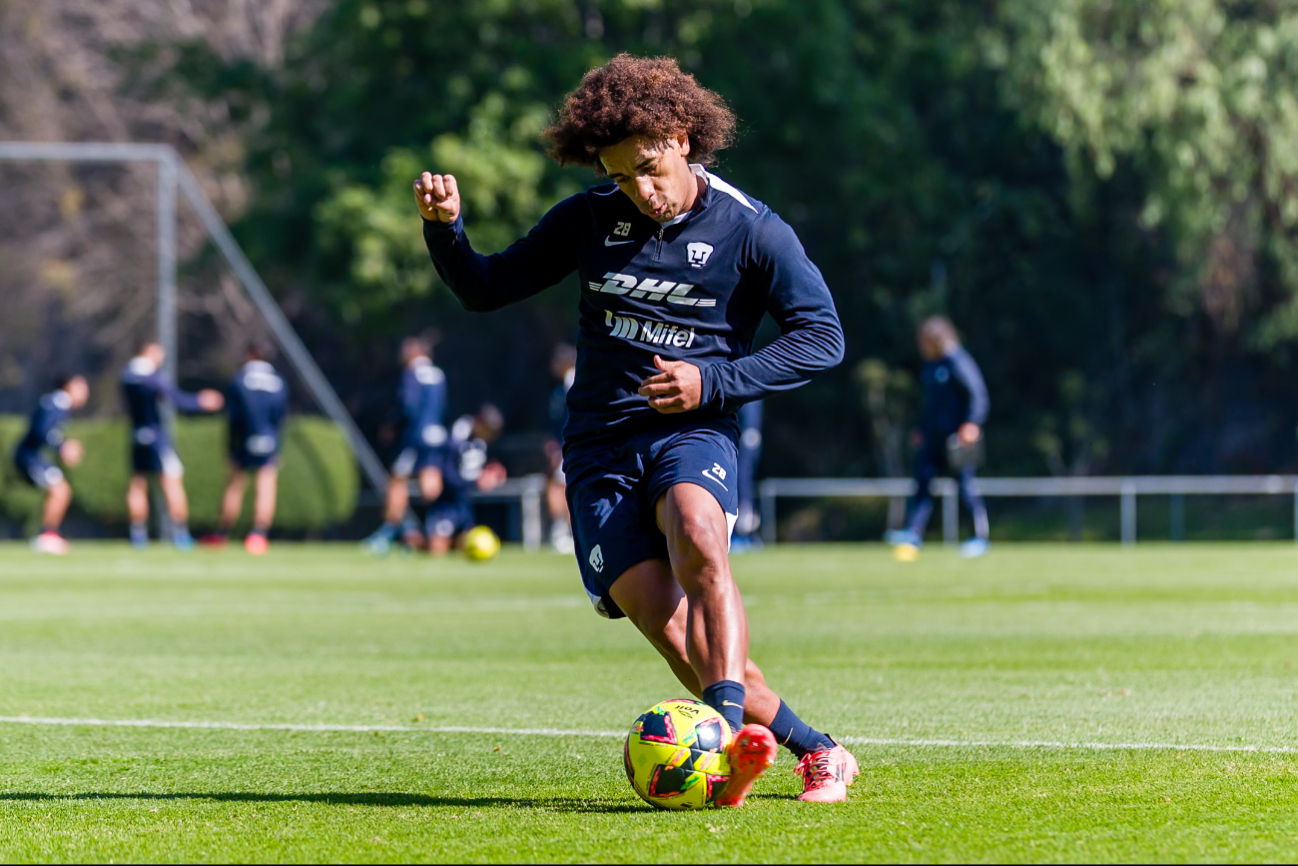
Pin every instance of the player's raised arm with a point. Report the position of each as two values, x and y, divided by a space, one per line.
482 283
811 339
438 197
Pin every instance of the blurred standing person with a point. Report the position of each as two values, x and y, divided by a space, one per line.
423 440
145 387
954 407
563 364
465 468
256 405
45 431
750 454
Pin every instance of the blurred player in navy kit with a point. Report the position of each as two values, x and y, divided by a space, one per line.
146 388
465 468
46 432
954 409
563 364
256 404
750 454
423 440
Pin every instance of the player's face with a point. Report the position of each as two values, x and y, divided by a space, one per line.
654 173
930 349
78 391
155 353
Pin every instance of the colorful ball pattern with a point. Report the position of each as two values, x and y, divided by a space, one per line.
676 755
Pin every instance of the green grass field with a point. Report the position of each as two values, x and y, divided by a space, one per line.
962 684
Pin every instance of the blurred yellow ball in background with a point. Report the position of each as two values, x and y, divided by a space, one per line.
481 544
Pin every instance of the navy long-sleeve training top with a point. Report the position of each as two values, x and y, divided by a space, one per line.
694 290
953 393
256 403
45 429
144 386
423 404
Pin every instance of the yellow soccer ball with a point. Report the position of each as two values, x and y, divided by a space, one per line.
675 755
481 544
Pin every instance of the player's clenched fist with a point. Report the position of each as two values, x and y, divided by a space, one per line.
438 197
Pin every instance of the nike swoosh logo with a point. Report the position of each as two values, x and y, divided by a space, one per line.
731 704
708 475
609 243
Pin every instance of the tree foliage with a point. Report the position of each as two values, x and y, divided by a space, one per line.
1103 196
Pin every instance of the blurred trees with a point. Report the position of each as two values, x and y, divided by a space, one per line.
1100 194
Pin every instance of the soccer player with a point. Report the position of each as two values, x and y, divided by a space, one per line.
423 440
954 407
563 364
256 403
677 268
465 468
750 452
146 388
46 431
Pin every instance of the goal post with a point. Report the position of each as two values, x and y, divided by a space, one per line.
175 180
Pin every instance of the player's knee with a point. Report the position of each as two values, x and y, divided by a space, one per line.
698 536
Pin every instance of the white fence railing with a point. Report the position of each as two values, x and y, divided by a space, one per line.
1125 488
529 493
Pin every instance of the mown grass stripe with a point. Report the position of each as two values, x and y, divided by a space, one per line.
559 732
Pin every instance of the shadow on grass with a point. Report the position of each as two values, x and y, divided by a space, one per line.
378 798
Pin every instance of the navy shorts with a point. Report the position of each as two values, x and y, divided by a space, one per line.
449 519
159 458
612 492
255 452
37 471
416 458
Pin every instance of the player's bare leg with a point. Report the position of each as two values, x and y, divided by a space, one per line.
697 542
430 485
655 604
232 500
57 499
397 499
231 505
395 502
716 626
173 490
56 506
137 509
263 509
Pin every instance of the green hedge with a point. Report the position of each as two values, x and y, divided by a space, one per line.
317 488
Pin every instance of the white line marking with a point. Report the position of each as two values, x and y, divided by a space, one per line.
239 726
1059 744
559 732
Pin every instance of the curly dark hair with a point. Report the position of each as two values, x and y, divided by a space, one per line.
631 96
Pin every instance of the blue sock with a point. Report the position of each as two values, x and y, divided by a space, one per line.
796 735
140 534
727 698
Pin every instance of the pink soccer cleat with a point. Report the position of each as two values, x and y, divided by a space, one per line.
752 751
826 775
51 543
256 544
